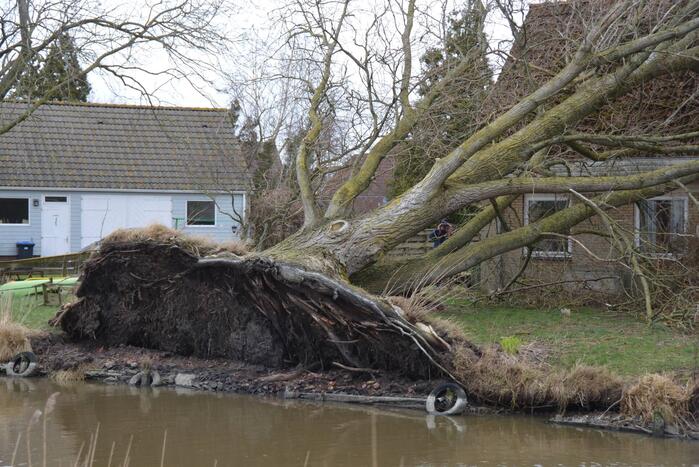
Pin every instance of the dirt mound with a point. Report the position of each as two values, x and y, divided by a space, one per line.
161 295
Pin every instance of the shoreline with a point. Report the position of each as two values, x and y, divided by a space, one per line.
121 365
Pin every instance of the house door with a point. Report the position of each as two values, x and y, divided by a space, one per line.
55 226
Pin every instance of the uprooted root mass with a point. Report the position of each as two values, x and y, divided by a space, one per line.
162 296
153 290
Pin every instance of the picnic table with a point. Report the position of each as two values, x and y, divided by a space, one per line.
40 286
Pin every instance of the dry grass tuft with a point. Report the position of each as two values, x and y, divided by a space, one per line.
447 329
413 308
157 233
657 394
235 246
512 380
501 379
14 337
586 386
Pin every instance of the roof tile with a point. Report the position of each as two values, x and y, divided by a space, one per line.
83 146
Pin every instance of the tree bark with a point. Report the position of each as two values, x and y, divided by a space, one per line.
441 264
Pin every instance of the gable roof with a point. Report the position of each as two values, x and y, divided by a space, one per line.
103 146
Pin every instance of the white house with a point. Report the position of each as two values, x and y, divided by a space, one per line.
72 173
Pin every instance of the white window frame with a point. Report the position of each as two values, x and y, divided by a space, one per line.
546 197
637 221
195 226
29 211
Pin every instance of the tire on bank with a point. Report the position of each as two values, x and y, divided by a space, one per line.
446 399
22 365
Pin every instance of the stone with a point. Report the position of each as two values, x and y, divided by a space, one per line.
185 380
157 379
135 380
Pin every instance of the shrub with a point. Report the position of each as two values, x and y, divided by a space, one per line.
511 344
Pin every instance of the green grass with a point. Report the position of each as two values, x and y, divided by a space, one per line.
31 312
511 344
620 342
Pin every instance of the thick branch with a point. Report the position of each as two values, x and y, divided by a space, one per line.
303 157
468 194
427 270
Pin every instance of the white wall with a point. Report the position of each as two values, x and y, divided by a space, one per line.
222 231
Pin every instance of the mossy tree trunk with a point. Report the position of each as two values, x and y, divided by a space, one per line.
486 165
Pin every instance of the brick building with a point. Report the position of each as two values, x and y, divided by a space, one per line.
663 229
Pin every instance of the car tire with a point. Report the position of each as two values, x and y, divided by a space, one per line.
23 365
446 399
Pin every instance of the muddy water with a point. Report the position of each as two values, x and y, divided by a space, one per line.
208 429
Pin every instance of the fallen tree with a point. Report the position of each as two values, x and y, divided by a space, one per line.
294 302
158 289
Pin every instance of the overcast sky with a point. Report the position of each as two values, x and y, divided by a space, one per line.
253 18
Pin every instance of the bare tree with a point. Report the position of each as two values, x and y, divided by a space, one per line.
111 41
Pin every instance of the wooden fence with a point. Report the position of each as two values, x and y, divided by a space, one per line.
414 246
61 265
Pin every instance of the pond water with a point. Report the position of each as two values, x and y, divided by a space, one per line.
204 429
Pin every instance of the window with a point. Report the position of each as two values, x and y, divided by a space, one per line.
660 224
201 213
538 206
14 211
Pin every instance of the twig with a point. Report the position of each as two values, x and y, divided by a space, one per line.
356 370
529 287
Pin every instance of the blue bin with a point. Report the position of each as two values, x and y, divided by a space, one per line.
25 250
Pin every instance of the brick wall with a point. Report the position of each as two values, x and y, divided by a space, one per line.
596 266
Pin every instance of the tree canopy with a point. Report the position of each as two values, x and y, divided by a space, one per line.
455 113
58 76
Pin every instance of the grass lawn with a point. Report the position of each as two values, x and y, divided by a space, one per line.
622 343
31 311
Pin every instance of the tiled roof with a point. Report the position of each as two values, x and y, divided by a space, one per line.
104 146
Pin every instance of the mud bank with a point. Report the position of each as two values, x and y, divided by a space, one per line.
120 364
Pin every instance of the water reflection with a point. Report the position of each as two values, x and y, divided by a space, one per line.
238 430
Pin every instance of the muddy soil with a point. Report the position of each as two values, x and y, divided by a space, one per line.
119 364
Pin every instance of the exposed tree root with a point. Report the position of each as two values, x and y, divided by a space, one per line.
254 309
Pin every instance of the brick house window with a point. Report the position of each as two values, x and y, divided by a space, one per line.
536 207
661 224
